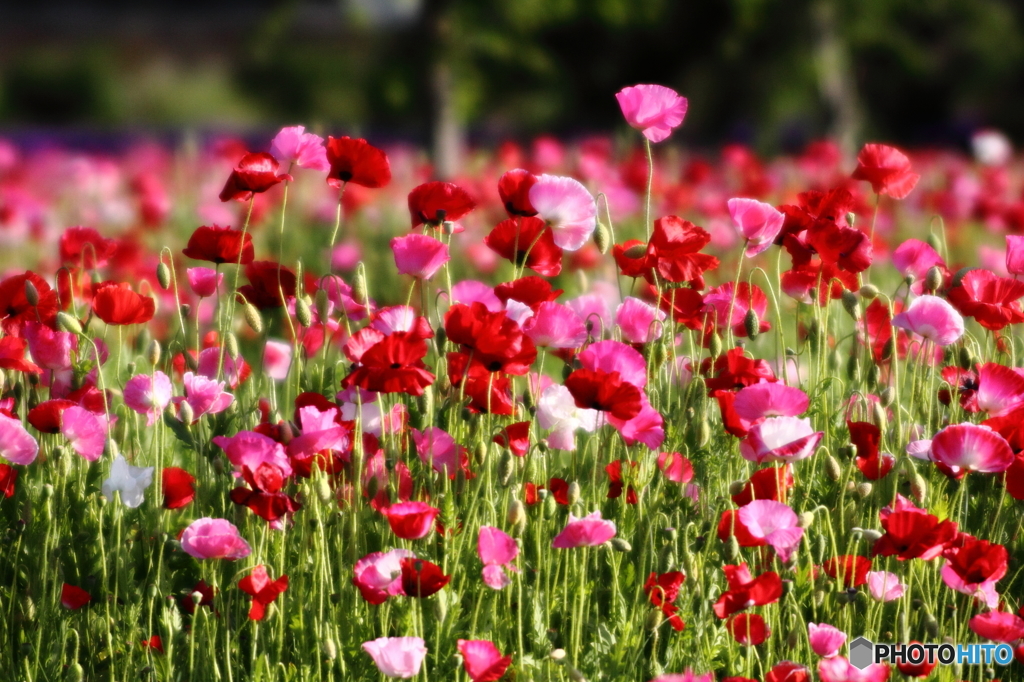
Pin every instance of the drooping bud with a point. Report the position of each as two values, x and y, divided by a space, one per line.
736 487
31 293
506 468
517 516
832 468
154 352
864 490
163 275
603 237
965 358
869 292
621 545
715 345
253 317
888 396
806 519
360 293
919 488
654 619
322 304
732 548
330 648
231 345
635 251
68 323
751 324
573 494
851 304
186 412
933 280
480 452
302 312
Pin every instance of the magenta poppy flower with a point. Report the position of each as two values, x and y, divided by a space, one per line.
1015 254
482 660
825 639
379 575
555 326
589 531
1000 388
277 359
419 255
398 657
615 356
148 394
205 396
497 551
933 318
885 586
887 169
654 110
773 522
720 301
758 222
636 319
50 349
208 538
839 669
998 626
915 257
16 444
780 439
249 450
320 432
86 431
204 281
437 448
567 207
306 150
411 520
647 427
973 448
688 676
769 399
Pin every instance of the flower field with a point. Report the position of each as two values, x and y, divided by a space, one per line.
609 410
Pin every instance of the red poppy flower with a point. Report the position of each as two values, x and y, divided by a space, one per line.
489 392
115 303
268 280
8 480
356 161
632 258
729 525
1014 478
746 591
205 597
254 174
873 464
220 245
269 506
686 307
559 489
913 534
393 365
435 202
770 483
734 370
662 590
974 560
515 437
12 355
813 281
46 416
494 340
154 643
784 671
15 309
853 569
922 669
604 391
530 291
178 487
748 629
533 246
832 205
421 578
990 299
514 190
887 169
615 482
73 598
85 247
674 252
845 247
1009 425
262 589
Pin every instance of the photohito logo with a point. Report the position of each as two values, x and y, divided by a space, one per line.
864 652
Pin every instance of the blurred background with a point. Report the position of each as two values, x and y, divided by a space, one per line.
446 74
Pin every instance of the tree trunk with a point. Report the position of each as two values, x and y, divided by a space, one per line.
836 79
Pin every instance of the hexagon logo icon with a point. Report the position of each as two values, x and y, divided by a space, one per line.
862 653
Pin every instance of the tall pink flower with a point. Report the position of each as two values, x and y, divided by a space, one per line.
482 660
379 575
615 356
825 639
636 319
398 657
17 445
1000 388
205 396
758 222
688 676
208 538
915 257
419 255
436 447
555 326
250 450
767 399
933 318
773 522
85 431
204 281
885 586
497 551
780 439
654 110
320 432
50 349
277 359
589 531
306 150
748 297
998 626
839 669
972 447
1015 254
148 394
567 206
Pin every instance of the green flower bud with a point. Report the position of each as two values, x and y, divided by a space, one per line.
573 494
603 237
751 324
31 293
850 304
621 545
302 312
163 275
323 304
253 317
154 352
933 280
67 323
869 292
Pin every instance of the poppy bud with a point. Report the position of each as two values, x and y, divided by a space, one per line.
186 413
869 534
889 349
853 369
252 317
931 625
323 489
832 468
732 548
163 275
573 494
659 353
302 312
322 305
819 597
372 487
966 358
793 639
959 276
31 293
635 251
703 434
75 672
517 516
154 352
869 292
440 609
448 227
621 545
864 490
359 290
806 519
791 352
603 237
933 280
751 324
813 332
231 345
667 558
67 323
654 620
715 345
330 649
918 488
881 418
185 309
550 506
874 375
888 396
934 242
850 304
736 487
480 453
557 655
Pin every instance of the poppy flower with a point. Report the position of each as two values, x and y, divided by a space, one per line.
675 467
85 248
720 301
814 281
849 569
825 639
972 448
990 299
482 660
780 439
934 319
255 173
845 247
746 591
116 304
154 643
674 252
775 523
262 589
783 671
758 222
268 281
356 161
220 245
514 190
85 430
913 534
130 482
839 669
204 282
998 626
873 464
8 480
616 484
148 394
293 145
1015 254
974 566
748 629
531 291
663 589
631 257
604 391
497 550
379 575
411 520
590 531
436 202
528 242
393 365
654 110
73 598
178 487
567 207
887 169
489 392
884 586
419 255
496 342
205 597
398 657
12 356
208 538
914 257
515 437
421 578
15 308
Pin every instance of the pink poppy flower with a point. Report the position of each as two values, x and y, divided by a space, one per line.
497 551
320 432
557 411
277 359
50 349
654 110
984 590
615 356
825 639
915 257
998 626
17 445
675 466
148 394
589 531
411 520
379 575
482 660
419 255
567 207
470 291
839 669
401 318
205 396
436 447
933 318
688 676
234 371
208 538
1000 388
773 522
636 320
86 431
887 169
204 281
1015 254
555 326
306 150
250 450
647 427
767 399
747 297
972 447
780 439
346 256
398 657
885 586
758 222
593 309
